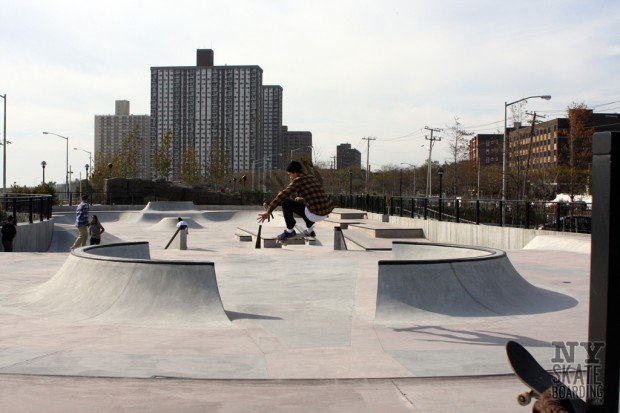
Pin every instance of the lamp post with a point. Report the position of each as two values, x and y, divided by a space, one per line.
87 166
440 173
350 182
90 158
302 147
545 97
66 138
4 147
43 165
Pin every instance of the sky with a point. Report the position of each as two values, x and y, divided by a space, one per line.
349 69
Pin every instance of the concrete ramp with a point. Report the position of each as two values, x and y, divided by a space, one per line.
64 236
426 286
118 283
165 206
170 224
581 243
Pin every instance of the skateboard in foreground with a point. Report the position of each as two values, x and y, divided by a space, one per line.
543 385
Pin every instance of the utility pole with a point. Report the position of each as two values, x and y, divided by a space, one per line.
529 150
368 139
333 162
432 140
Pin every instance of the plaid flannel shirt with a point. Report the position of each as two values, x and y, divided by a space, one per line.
309 188
81 214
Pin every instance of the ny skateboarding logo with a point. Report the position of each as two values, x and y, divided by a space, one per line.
584 376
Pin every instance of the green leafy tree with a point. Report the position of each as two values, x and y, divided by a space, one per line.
162 160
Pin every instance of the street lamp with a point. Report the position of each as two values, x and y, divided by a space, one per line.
440 173
90 158
545 97
66 138
297 149
43 164
4 147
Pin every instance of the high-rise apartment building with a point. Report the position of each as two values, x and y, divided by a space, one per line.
294 145
347 157
272 124
112 130
214 109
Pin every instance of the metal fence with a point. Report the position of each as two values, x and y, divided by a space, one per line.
511 213
519 214
25 207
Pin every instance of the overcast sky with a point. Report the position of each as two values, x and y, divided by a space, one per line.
349 69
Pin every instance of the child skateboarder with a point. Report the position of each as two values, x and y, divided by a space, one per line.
311 202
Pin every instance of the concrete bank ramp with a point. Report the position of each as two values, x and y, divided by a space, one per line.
170 223
119 283
64 236
581 243
428 281
164 206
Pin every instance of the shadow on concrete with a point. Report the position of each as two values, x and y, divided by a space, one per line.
481 337
234 315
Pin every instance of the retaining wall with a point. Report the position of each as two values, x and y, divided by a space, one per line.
35 237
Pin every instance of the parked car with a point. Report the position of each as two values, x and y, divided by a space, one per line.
571 223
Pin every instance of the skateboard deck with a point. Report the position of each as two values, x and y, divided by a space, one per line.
534 376
297 237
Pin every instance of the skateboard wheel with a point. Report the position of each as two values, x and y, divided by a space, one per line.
524 399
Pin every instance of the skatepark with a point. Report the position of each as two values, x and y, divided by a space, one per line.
374 316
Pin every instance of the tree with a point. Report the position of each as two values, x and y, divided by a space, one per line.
576 157
162 160
190 167
217 163
459 149
128 160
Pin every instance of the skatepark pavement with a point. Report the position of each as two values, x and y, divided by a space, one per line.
290 329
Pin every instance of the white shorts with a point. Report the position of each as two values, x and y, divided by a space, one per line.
312 217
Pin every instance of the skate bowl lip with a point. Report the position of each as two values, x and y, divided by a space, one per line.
486 253
83 252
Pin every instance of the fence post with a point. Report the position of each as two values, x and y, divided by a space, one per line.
425 208
477 212
527 215
557 216
41 209
501 213
30 209
457 205
412 207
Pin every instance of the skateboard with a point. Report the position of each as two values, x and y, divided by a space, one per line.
535 377
309 240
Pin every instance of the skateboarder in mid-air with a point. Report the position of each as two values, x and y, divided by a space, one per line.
311 202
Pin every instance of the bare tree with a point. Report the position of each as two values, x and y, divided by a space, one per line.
458 144
190 167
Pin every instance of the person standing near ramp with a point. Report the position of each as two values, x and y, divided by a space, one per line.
311 202
81 222
9 231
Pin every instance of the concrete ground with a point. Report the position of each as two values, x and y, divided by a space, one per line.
302 335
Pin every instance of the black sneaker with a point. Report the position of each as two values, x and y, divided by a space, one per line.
309 233
283 236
